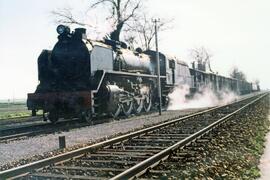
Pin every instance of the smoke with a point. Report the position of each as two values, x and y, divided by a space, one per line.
144 90
181 98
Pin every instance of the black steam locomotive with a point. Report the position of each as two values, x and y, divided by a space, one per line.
86 79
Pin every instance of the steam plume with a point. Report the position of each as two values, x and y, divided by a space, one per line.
179 98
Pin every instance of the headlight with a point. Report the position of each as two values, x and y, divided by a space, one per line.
61 29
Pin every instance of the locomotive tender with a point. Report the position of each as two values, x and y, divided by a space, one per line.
83 78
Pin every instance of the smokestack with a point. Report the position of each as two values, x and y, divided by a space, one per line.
80 33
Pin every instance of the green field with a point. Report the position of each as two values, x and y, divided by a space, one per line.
13 110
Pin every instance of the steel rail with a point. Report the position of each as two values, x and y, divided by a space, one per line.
151 162
6 121
34 129
27 168
20 135
21 127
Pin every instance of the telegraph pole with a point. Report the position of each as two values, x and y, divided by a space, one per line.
158 67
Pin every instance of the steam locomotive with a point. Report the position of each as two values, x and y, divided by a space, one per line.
87 79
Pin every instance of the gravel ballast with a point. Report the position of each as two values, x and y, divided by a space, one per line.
41 146
232 152
15 153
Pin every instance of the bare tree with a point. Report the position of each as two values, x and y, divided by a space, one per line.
121 12
257 81
65 16
144 29
237 74
130 39
202 57
127 16
257 84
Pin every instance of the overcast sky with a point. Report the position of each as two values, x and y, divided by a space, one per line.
235 31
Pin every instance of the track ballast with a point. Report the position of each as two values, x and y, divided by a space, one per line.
133 154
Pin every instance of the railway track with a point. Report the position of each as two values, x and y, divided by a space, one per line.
13 132
17 120
10 133
42 128
132 154
35 126
7 134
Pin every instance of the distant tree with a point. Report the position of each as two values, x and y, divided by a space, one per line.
237 74
120 12
257 81
65 16
127 16
144 30
130 39
202 57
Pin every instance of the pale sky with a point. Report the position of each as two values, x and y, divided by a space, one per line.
235 31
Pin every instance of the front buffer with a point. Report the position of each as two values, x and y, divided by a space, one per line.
56 105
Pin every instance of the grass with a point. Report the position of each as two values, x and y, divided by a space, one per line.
13 110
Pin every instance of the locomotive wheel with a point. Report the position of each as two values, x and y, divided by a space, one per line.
138 105
86 116
127 107
147 103
53 116
117 110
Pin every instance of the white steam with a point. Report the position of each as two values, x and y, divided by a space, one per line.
179 98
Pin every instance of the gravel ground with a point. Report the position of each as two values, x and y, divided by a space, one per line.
26 148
